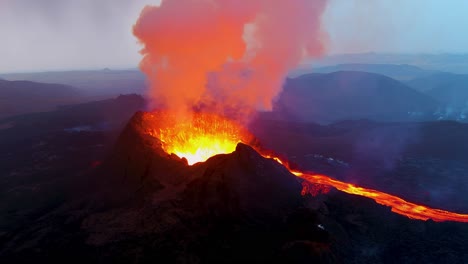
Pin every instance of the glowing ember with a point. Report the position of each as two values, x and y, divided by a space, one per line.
199 136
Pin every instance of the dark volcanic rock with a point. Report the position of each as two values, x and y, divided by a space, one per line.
137 164
244 183
144 205
243 179
233 207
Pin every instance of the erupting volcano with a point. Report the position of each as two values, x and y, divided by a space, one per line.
227 60
247 134
205 135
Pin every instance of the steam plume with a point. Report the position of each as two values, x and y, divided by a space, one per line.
228 55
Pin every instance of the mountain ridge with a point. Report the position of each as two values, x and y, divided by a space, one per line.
350 95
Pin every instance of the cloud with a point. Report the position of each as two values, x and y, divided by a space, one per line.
65 34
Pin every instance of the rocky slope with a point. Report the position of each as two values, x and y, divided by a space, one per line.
143 205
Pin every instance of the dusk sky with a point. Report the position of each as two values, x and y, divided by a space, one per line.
90 34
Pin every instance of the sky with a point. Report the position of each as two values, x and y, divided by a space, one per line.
39 35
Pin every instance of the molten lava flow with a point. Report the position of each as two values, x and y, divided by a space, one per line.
398 205
199 136
202 135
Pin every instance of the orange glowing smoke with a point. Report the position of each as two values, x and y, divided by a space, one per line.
229 55
197 136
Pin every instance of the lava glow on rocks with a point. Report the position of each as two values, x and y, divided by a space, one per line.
202 135
199 136
398 205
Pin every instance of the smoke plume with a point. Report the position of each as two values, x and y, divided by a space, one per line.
226 55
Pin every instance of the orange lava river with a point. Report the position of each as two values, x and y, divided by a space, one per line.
398 205
201 136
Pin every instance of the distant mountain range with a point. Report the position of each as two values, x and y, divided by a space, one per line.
398 72
92 83
44 91
28 89
445 87
351 95
382 92
438 80
449 89
18 97
94 116
447 62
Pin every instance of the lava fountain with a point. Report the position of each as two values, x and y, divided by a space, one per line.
198 136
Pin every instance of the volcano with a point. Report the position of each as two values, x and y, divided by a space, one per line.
205 134
139 164
233 207
145 204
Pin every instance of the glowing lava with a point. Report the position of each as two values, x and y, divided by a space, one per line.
398 205
202 135
199 136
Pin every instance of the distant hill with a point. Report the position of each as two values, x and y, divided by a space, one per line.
455 93
351 95
438 80
448 88
19 97
92 83
29 89
447 62
90 116
395 71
